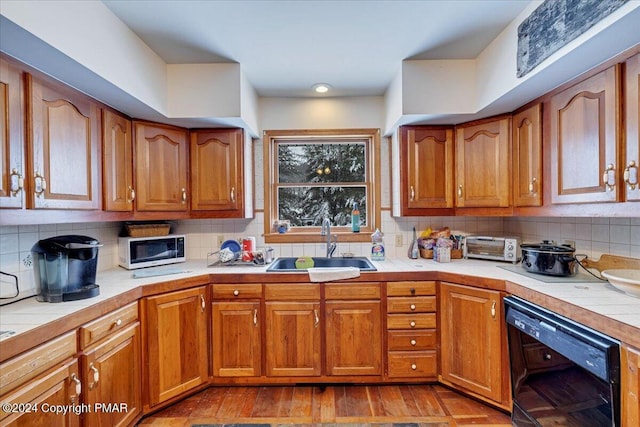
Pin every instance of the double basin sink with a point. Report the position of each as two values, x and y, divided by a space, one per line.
288 264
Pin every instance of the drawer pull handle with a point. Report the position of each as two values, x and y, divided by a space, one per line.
236 292
117 323
96 376
412 291
412 306
412 324
414 342
414 366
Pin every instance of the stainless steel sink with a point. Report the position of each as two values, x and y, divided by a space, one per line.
286 264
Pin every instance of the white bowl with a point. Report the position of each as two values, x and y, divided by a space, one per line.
626 280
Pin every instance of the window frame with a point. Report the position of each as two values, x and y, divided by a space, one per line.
371 137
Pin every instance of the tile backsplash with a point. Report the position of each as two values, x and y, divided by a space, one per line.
592 236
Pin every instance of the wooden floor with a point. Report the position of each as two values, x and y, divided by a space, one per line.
427 405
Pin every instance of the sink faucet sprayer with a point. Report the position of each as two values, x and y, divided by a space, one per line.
326 231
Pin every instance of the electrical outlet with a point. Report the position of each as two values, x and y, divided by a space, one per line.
398 240
220 239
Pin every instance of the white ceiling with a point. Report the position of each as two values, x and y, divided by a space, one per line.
284 47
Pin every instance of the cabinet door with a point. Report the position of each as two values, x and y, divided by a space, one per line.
176 331
632 117
471 356
64 147
236 344
583 135
483 164
354 338
216 171
117 157
426 168
630 386
527 157
293 339
58 387
161 167
11 136
111 372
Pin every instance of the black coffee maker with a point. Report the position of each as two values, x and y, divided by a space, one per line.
65 268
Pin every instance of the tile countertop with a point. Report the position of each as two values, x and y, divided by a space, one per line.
599 298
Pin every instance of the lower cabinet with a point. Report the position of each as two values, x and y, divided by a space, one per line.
473 342
630 385
176 348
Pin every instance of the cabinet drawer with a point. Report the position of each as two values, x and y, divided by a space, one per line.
28 365
92 332
411 304
413 364
359 291
411 340
410 289
411 321
237 291
292 292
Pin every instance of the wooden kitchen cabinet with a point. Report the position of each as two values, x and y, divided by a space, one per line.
527 156
353 329
631 176
293 330
426 170
236 324
630 386
117 162
111 367
583 136
63 147
161 162
217 179
483 163
473 342
12 164
176 351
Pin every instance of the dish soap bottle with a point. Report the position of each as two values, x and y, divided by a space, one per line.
355 219
377 246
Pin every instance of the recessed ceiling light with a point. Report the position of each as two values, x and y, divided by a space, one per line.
321 87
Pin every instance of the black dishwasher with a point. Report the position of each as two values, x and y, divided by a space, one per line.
562 373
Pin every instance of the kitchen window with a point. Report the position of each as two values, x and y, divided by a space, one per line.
313 174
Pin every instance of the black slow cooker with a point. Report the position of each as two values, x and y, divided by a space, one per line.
550 259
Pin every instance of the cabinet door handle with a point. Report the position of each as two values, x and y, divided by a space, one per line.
460 190
202 303
233 194
627 175
605 177
255 317
493 309
184 195
96 376
19 182
316 318
532 185
40 184
413 194
75 379
132 194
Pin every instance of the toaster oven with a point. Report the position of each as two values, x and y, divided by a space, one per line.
492 248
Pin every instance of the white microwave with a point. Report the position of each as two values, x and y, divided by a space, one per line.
139 252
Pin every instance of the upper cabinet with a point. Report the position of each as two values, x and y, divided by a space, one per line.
161 167
117 158
217 159
426 170
526 139
632 105
483 163
583 134
11 136
64 147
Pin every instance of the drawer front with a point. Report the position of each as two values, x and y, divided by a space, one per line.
410 364
411 289
411 340
411 321
292 292
352 291
411 305
93 332
237 291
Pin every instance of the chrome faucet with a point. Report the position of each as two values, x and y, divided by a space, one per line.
326 231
